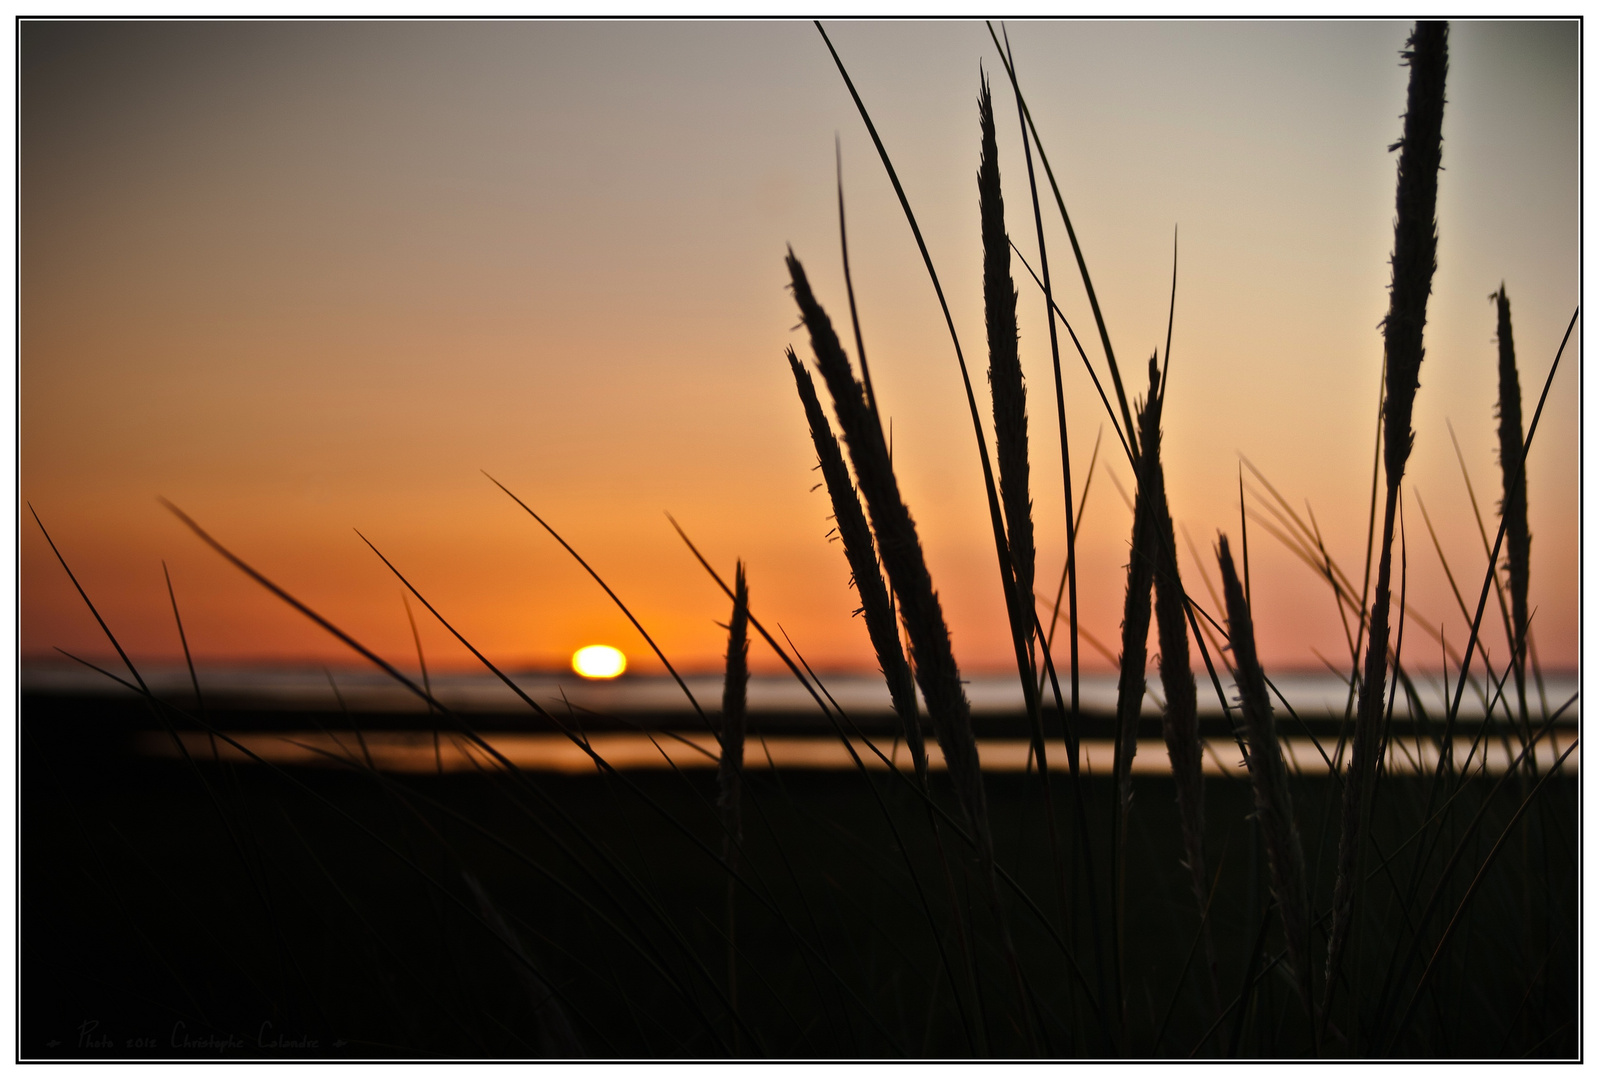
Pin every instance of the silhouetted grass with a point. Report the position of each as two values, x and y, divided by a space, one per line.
855 535
871 913
1180 717
1268 776
1513 507
1414 259
730 766
1004 362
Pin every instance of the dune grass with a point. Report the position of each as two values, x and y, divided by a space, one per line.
878 913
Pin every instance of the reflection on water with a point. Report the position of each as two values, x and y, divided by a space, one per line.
1313 695
422 752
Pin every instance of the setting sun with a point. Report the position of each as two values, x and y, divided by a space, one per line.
599 662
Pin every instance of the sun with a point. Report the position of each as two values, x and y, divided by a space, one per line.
599 662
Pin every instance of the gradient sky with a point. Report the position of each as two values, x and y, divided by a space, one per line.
301 278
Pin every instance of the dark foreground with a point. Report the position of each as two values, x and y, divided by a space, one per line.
176 910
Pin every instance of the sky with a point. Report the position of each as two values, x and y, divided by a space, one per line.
307 278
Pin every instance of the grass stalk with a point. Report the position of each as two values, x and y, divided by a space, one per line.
1268 776
1493 557
730 768
1414 260
1180 718
1009 393
1513 508
1130 687
1077 251
1518 543
1005 382
1070 720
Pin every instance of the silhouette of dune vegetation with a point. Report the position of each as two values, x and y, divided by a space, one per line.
917 905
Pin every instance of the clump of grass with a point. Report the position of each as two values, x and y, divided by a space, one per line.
1414 260
1019 608
921 613
901 551
856 536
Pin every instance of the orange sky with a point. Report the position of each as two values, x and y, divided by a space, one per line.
305 278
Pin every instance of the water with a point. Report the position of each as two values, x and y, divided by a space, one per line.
422 752
676 739
1312 695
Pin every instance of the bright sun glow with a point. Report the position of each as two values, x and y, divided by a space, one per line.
599 662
